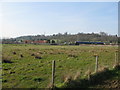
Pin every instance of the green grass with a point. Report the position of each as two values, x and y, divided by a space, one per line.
29 72
101 80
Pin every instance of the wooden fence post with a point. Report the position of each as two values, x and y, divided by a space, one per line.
96 65
116 57
53 72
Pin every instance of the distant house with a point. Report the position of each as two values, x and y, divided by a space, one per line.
35 42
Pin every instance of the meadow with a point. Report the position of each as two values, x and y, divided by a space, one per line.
30 66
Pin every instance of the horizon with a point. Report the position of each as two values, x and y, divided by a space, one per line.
37 18
58 33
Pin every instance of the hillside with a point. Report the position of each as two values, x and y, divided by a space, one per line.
61 38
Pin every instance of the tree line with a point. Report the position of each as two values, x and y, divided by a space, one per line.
69 38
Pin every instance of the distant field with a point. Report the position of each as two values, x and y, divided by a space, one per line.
30 65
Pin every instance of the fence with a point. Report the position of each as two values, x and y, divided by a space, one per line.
89 73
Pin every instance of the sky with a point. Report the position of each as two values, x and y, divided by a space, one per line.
36 18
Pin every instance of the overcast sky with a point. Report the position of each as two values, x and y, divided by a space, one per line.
33 18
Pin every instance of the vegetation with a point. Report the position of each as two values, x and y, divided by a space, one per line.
68 38
102 80
30 65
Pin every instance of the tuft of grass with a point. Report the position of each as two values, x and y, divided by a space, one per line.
21 56
4 80
103 69
116 66
32 54
38 57
77 76
88 74
14 52
67 79
72 55
6 59
37 79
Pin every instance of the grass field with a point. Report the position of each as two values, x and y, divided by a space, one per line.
30 65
